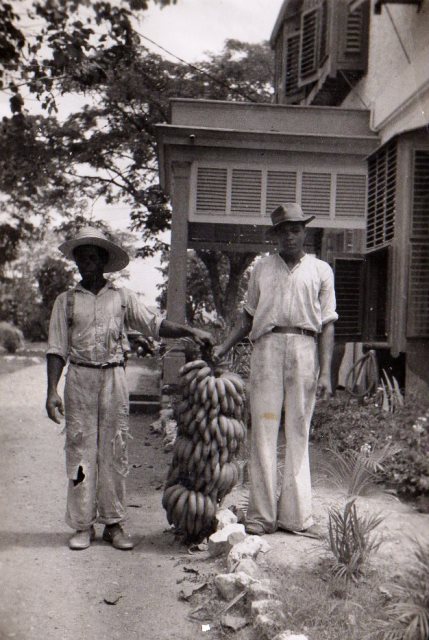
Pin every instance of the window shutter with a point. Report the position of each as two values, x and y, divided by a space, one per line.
381 196
308 45
281 187
354 32
292 64
349 293
246 192
211 190
316 194
418 293
350 196
323 49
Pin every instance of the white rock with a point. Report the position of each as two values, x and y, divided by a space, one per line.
230 584
223 540
268 606
266 626
248 548
260 591
248 566
225 517
289 635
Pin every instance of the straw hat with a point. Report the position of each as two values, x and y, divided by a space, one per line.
287 212
118 258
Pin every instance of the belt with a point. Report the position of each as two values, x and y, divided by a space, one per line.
296 330
105 365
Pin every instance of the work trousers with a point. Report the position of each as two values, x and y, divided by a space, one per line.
96 410
284 372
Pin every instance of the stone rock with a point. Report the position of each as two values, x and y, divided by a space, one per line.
267 626
248 548
170 431
230 584
223 540
233 622
248 566
289 635
260 591
268 606
224 517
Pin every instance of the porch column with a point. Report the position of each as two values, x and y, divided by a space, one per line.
176 292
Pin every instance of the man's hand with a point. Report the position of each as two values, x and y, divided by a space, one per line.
203 338
218 353
53 403
324 387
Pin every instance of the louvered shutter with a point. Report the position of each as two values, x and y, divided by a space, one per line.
349 294
354 32
308 44
211 190
323 52
350 196
246 192
418 292
292 64
281 187
381 196
316 194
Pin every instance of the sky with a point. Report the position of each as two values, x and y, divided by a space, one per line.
188 29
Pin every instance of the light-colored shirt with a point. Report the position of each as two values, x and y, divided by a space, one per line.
96 327
302 297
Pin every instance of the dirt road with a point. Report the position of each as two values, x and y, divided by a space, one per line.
51 593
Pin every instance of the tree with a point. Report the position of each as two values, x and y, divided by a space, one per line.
106 148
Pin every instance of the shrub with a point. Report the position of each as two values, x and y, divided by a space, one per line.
11 338
347 425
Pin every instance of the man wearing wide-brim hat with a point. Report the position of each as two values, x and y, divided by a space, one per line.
87 330
288 315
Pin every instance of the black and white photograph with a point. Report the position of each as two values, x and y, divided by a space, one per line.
214 319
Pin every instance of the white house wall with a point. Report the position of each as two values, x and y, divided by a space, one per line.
396 86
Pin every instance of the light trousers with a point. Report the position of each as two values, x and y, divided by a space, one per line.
284 371
96 409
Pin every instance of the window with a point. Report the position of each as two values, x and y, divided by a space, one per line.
354 31
349 273
381 196
308 46
292 64
418 291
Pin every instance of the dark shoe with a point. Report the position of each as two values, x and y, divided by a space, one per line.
82 539
255 529
117 537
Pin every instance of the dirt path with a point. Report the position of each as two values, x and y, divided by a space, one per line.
51 593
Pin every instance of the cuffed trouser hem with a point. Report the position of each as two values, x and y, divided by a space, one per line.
78 526
109 521
295 527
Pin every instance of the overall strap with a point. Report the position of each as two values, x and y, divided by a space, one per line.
69 315
123 311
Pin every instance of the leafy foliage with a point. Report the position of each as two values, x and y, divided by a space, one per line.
346 425
351 540
11 338
406 615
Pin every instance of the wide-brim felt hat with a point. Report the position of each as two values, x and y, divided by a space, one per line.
118 257
287 212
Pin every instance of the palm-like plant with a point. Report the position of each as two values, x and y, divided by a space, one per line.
351 540
354 472
407 614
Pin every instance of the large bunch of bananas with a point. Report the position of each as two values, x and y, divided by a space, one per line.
210 432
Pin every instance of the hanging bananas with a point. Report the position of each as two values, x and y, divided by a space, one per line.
209 434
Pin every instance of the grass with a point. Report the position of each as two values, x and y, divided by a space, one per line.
322 607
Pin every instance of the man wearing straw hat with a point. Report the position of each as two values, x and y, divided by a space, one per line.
87 330
288 315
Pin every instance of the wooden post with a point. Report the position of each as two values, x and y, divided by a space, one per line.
176 293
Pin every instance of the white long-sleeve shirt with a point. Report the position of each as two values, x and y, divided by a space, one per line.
302 297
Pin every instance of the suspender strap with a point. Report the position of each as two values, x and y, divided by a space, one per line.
123 311
69 315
